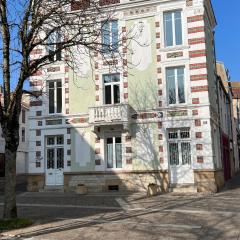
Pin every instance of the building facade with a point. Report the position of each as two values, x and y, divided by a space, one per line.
227 123
22 152
153 119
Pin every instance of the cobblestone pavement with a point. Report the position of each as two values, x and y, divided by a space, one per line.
117 216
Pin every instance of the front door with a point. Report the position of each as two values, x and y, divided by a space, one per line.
54 161
180 162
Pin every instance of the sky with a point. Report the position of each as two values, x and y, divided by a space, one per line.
228 35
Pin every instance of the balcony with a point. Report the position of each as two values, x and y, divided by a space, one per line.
117 114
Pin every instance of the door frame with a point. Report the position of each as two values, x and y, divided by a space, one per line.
186 167
112 135
54 146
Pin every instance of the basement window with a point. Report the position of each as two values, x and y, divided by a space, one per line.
113 188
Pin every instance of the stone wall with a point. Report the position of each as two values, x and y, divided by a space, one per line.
35 182
126 181
209 180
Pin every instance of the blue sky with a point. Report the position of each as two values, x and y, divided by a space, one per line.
228 35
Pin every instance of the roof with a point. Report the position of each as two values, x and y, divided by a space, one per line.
236 89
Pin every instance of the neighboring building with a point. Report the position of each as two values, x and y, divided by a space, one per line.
22 152
235 86
236 101
228 124
155 121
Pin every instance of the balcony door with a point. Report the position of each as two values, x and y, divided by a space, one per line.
111 88
113 152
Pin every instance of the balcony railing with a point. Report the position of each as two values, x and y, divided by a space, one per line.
109 114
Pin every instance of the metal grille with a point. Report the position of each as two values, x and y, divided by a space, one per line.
174 154
184 134
60 162
186 153
179 147
173 135
50 158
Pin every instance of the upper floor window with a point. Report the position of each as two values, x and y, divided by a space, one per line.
173 28
23 116
110 36
23 135
54 47
111 88
55 96
175 85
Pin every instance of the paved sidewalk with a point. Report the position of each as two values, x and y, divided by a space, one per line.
117 216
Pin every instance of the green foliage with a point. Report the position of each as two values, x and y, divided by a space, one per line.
14 224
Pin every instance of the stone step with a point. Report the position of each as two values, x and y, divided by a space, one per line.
52 189
182 188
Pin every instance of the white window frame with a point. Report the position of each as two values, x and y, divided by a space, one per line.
173 28
176 85
55 39
114 152
55 96
112 89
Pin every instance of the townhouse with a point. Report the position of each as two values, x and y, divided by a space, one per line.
153 119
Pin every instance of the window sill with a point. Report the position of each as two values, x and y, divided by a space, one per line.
174 48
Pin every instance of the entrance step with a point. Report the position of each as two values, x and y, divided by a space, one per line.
183 188
52 189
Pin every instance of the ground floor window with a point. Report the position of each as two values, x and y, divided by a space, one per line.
179 146
114 152
55 152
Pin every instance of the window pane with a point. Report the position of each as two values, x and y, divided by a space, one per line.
186 153
173 135
118 153
168 29
116 92
59 139
181 87
51 99
50 141
171 90
59 52
108 95
115 77
50 159
51 84
23 116
60 162
114 36
173 152
178 27
106 36
23 134
108 78
185 134
59 97
109 152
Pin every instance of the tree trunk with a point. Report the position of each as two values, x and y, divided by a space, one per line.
10 206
